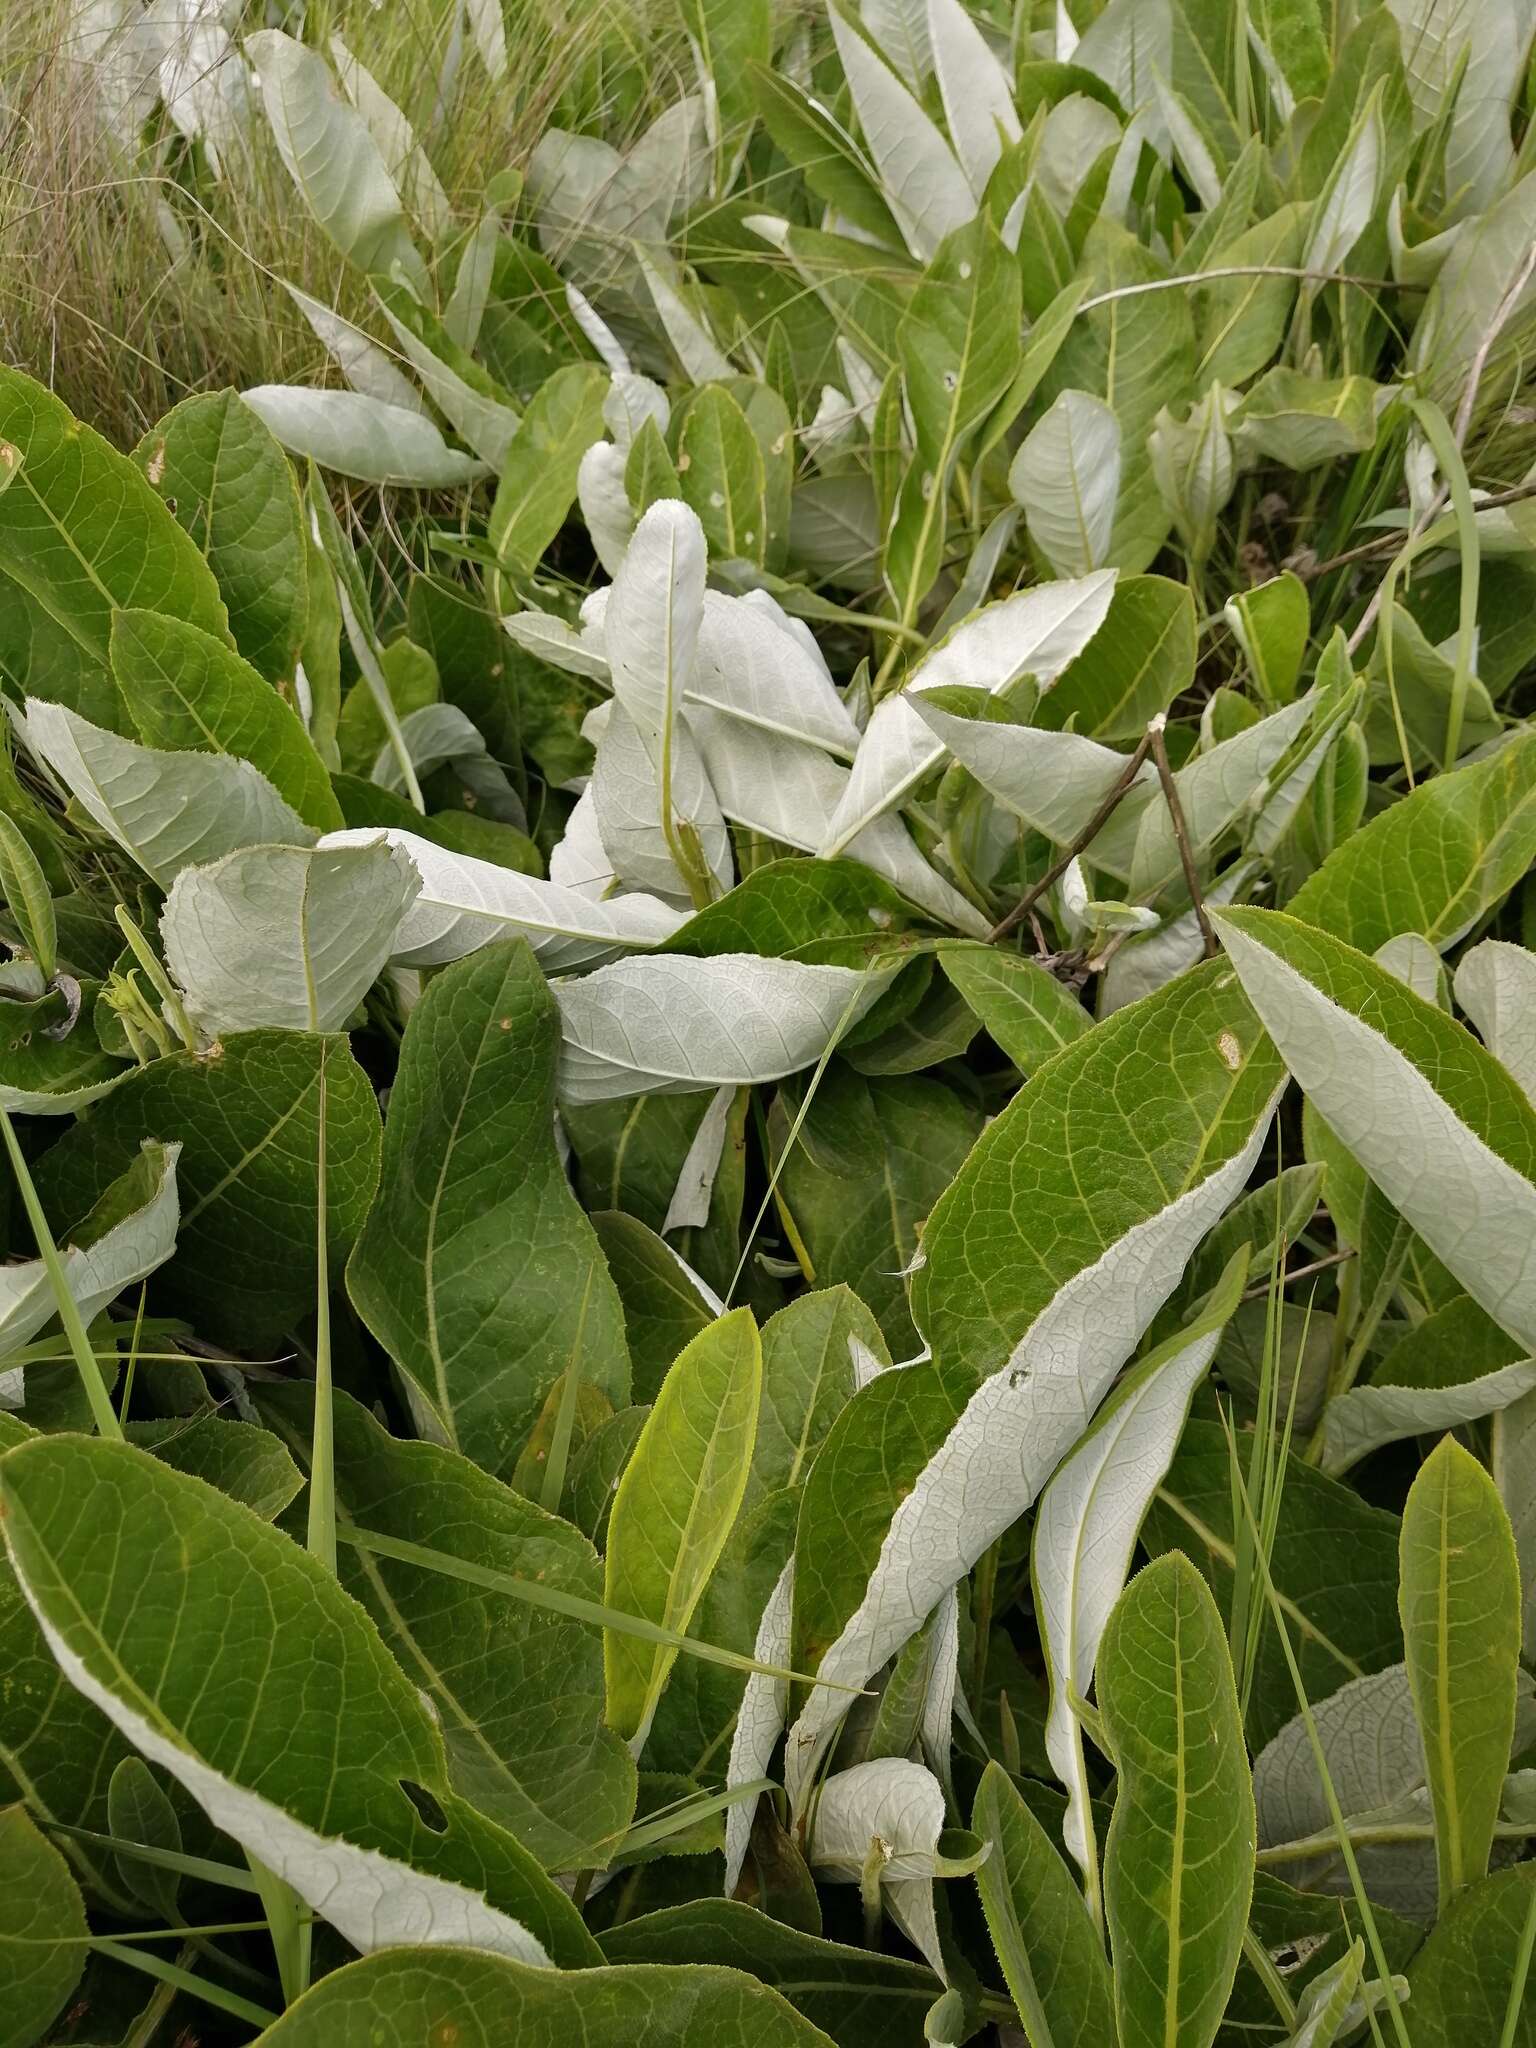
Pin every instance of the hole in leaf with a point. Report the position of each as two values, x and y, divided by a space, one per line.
431 1813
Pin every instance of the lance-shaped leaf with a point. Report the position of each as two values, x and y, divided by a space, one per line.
976 91
675 1506
248 1120
755 667
1022 1004
517 1689
385 2001
759 1722
1087 1524
363 437
639 807
1178 1866
1436 860
314 1775
1442 1129
958 354
1335 2004
332 158
1460 1602
464 904
885 1815
1066 475
44 1939
82 532
810 1369
1050 1951
538 479
166 811
486 1287
185 689
1044 1265
285 937
1034 632
651 622
129 1232
1361 1420
924 185
670 1025
223 475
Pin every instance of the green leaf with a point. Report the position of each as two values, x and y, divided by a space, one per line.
810 1370
1178 1870
224 477
247 1463
1066 475
1272 622
27 898
486 1288
1460 1604
1138 662
825 153
1304 422
872 1157
57 1752
139 1810
187 690
516 1689
1473 1968
332 158
1187 1072
957 348
731 36
964 1448
1436 861
171 1580
699 1727
1333 1563
247 1117
445 1994
858 1998
720 471
1241 321
1025 1008
166 810
1051 1954
663 1309
538 477
1456 1156
1136 353
42 1930
83 533
1087 1524
676 1502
